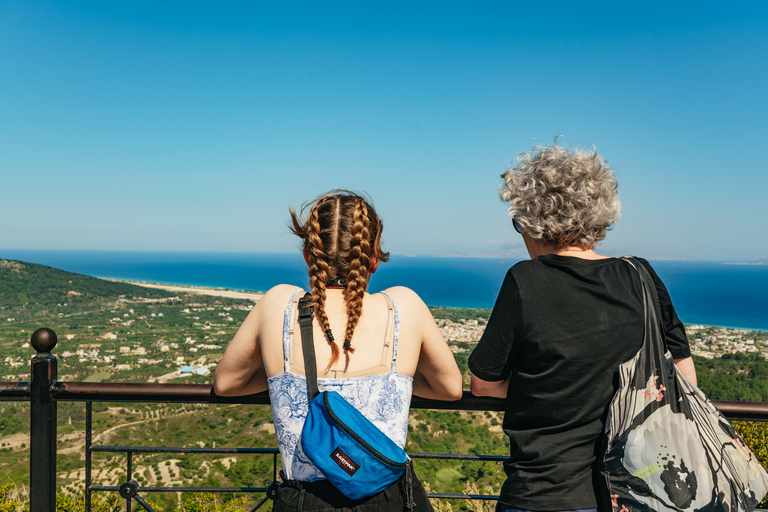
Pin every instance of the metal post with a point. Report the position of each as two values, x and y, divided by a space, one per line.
88 455
130 474
42 424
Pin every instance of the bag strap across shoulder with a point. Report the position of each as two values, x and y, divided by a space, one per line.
648 279
308 345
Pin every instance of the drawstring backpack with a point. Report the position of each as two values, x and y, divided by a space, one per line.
352 453
667 447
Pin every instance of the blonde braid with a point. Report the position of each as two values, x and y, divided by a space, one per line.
318 275
357 276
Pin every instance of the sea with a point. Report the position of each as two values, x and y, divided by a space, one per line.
706 293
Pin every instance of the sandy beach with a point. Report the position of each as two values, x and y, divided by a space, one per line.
200 290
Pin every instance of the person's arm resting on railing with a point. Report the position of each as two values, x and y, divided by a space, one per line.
241 369
491 360
480 387
423 351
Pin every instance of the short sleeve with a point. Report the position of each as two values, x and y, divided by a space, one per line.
491 360
674 330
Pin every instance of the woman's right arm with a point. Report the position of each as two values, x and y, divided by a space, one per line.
436 376
490 361
241 369
237 372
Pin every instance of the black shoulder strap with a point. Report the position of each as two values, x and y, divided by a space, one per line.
308 345
644 272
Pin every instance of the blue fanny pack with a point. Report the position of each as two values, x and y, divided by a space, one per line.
352 453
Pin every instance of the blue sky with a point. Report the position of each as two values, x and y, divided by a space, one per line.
195 125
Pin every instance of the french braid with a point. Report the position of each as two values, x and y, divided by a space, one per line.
342 235
359 264
319 271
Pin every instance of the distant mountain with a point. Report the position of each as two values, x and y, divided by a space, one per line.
24 283
756 262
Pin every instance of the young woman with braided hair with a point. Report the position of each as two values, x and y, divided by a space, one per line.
374 349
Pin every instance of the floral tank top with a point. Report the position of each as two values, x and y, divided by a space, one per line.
384 399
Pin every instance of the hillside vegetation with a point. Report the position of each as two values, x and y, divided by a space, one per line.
741 377
27 286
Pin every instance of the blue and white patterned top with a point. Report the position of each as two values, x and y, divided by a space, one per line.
384 399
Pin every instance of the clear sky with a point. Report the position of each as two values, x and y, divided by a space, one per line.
195 125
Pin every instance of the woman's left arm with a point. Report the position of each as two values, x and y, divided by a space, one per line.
685 365
436 376
674 330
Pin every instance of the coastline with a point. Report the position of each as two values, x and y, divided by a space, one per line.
199 290
255 296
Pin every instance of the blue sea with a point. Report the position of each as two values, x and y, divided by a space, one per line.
708 293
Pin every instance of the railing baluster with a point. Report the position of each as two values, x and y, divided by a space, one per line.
274 467
42 424
88 453
128 479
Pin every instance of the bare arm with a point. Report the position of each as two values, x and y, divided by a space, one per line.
436 376
685 365
241 369
497 389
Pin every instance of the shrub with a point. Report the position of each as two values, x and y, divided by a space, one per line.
756 436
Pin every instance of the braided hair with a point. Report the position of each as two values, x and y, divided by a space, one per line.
341 235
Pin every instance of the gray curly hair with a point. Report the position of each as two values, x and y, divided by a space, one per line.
562 197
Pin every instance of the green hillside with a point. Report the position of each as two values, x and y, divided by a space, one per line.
28 284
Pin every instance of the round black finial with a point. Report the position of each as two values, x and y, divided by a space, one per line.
128 489
272 490
44 339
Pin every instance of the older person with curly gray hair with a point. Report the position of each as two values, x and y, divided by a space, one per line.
562 324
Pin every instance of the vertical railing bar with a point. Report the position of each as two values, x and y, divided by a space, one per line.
42 423
128 479
88 453
274 467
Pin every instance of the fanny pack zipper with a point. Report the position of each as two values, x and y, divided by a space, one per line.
357 438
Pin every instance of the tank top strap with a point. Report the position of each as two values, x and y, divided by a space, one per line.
395 324
288 326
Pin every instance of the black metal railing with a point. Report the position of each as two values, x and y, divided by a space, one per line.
44 391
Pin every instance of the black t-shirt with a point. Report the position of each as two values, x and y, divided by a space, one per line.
560 328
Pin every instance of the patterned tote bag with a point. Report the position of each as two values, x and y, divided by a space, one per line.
666 445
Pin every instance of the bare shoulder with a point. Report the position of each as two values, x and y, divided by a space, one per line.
277 297
408 300
265 319
404 294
